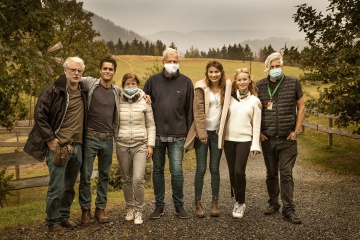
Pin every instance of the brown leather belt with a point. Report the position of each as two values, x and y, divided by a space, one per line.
100 135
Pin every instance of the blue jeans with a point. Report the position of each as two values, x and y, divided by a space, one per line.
201 151
103 149
280 156
61 191
175 155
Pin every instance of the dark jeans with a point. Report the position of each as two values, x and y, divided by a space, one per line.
280 156
61 191
103 149
237 154
201 151
175 155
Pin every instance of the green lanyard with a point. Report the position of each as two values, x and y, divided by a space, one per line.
271 94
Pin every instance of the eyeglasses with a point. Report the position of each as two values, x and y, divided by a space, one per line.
74 70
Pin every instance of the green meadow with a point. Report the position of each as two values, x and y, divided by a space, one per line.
28 206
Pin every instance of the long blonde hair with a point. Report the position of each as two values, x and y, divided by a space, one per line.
252 86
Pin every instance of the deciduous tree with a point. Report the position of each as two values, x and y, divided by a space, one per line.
333 57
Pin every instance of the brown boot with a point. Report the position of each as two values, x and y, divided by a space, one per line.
100 216
200 211
85 216
215 207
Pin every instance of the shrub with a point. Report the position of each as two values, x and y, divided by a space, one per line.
5 187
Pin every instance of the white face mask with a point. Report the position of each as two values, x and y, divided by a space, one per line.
171 68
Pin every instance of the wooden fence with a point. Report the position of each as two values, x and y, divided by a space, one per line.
328 129
20 158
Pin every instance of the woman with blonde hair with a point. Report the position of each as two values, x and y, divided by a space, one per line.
242 135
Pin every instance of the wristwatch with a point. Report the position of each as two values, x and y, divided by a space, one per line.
298 133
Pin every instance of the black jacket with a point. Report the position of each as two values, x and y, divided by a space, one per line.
172 103
49 113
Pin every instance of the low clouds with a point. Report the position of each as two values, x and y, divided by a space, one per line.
147 17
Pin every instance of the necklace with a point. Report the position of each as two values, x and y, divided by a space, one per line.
216 97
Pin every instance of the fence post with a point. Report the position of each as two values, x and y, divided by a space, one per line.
303 130
330 134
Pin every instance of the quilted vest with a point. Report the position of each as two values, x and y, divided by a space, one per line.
280 121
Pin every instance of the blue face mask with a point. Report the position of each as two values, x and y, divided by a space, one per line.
131 91
275 73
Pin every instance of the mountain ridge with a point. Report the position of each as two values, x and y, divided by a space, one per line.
203 40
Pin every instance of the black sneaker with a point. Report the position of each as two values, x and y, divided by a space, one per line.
271 209
180 211
292 218
157 213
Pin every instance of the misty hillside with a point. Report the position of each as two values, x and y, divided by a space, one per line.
110 31
203 39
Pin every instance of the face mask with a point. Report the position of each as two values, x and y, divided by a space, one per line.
171 68
131 91
275 73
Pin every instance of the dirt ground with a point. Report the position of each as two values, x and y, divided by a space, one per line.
328 205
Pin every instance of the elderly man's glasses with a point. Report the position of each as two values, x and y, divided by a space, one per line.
74 70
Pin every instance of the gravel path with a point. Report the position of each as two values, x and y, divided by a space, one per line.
328 205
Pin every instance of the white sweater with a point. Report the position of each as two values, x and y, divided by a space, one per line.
243 122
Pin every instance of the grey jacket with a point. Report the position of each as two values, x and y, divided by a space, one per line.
90 84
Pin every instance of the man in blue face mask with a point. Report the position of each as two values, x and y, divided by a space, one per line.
282 117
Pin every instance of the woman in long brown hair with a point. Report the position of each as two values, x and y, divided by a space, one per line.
208 106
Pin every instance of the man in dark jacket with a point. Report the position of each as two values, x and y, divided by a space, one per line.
282 117
59 117
172 95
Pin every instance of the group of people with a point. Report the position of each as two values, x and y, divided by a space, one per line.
79 118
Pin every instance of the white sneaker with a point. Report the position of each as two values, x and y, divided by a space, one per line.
241 210
130 215
235 210
238 212
138 218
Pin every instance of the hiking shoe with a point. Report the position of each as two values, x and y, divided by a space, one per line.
292 218
271 209
85 216
100 215
138 218
157 213
56 228
130 215
67 223
180 211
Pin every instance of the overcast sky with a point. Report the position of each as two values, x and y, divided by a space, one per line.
151 16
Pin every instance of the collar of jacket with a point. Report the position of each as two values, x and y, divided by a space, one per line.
60 83
200 84
172 77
